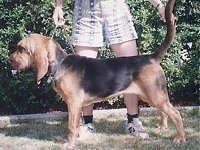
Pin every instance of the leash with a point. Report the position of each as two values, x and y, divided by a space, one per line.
51 78
67 37
53 32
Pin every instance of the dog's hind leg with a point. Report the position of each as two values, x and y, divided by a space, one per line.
161 101
153 90
176 118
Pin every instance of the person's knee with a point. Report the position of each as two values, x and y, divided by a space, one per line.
86 51
128 48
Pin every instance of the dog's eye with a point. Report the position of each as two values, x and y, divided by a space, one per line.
20 49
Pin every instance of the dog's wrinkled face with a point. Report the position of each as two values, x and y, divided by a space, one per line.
31 52
20 59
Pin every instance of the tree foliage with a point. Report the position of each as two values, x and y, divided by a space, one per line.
19 94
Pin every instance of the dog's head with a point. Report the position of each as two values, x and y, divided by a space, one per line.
31 52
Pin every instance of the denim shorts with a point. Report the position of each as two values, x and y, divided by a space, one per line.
99 22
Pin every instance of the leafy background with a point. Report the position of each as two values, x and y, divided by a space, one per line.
19 94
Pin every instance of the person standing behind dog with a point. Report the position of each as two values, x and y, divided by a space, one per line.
96 22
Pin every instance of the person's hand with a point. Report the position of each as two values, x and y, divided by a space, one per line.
161 10
58 18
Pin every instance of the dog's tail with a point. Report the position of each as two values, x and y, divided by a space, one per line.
169 37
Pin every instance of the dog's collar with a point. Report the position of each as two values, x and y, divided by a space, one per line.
52 70
51 74
51 79
68 39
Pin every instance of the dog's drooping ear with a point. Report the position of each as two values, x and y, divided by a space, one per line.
28 45
41 65
38 56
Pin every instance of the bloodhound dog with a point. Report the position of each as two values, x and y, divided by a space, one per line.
81 81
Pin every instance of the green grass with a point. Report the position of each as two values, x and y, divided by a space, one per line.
49 135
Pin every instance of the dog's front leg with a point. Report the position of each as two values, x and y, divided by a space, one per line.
73 125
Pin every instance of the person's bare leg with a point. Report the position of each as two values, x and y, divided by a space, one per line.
128 49
134 126
123 49
87 110
88 52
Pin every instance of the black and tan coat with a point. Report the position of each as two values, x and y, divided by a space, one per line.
81 81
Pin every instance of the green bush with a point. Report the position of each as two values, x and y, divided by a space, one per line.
19 94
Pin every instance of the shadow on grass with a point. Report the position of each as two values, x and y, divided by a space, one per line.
110 133
57 130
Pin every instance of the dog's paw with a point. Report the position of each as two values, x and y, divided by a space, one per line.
179 139
162 127
67 146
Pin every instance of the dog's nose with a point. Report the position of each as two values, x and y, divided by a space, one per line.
12 62
9 60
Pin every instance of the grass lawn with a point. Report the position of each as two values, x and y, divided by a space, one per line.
49 135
